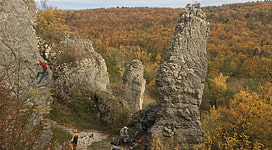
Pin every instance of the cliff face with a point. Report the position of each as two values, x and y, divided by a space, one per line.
17 43
180 81
19 54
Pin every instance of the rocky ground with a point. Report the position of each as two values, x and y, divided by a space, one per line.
95 140
85 138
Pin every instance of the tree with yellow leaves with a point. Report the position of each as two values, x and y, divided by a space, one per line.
51 24
244 124
218 88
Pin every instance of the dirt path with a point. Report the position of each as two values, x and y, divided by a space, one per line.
85 138
94 139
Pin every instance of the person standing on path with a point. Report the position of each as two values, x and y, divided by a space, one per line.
74 141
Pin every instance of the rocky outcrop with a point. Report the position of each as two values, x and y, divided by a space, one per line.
76 65
19 54
111 110
180 83
135 85
78 68
18 44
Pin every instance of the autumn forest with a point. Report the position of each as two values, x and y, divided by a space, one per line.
237 101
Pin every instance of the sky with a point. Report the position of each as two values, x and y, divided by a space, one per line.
91 4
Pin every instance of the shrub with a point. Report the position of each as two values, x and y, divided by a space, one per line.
16 130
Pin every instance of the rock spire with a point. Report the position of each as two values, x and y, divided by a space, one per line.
135 83
180 82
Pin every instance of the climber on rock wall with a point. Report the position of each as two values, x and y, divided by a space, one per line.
44 72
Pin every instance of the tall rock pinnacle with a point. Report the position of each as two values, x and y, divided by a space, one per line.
133 80
180 83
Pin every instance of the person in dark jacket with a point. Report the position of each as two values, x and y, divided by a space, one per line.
44 72
144 121
74 141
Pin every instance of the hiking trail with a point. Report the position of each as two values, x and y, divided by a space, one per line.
85 138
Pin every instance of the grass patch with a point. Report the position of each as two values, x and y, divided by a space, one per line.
60 136
79 114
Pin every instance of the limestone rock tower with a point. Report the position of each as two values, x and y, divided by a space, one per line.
180 83
135 83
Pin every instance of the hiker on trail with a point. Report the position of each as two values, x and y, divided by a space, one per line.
44 72
124 135
74 141
144 122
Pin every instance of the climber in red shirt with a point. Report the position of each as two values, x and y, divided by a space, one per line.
45 70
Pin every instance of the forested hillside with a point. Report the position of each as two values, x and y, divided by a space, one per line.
239 45
239 49
123 34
